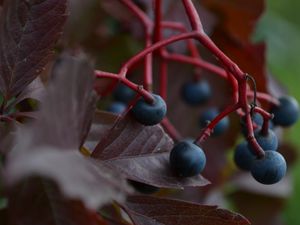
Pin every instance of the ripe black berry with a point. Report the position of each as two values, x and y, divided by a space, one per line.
149 114
123 93
243 156
209 115
187 159
287 113
196 93
270 169
267 141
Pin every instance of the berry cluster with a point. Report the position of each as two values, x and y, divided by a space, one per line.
256 154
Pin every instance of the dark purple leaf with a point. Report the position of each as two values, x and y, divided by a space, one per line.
29 30
128 138
39 201
139 152
50 146
69 104
77 177
34 90
154 169
144 210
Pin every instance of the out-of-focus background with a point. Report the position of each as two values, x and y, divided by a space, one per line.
280 28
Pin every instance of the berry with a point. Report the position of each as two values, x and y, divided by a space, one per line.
196 93
142 187
270 169
117 107
209 115
123 93
287 113
258 120
149 114
187 159
243 156
267 141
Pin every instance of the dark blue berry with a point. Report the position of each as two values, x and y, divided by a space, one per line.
209 115
196 93
243 156
142 187
187 159
117 107
267 141
123 93
147 113
287 113
256 118
270 169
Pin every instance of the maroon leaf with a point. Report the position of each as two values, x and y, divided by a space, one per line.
154 169
69 104
34 90
144 210
50 146
139 152
129 138
88 181
29 30
39 201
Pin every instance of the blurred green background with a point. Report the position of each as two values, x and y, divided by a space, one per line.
280 27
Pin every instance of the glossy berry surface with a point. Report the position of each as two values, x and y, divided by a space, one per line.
187 159
196 93
147 113
209 115
243 156
142 187
270 169
123 93
116 107
267 141
287 113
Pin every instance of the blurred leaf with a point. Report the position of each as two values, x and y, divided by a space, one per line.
69 104
50 146
44 204
89 181
237 20
145 210
27 40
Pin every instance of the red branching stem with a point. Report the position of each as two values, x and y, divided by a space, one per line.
190 43
264 97
131 62
193 15
148 65
137 12
206 132
197 62
249 125
137 88
158 19
170 129
266 116
147 25
163 79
